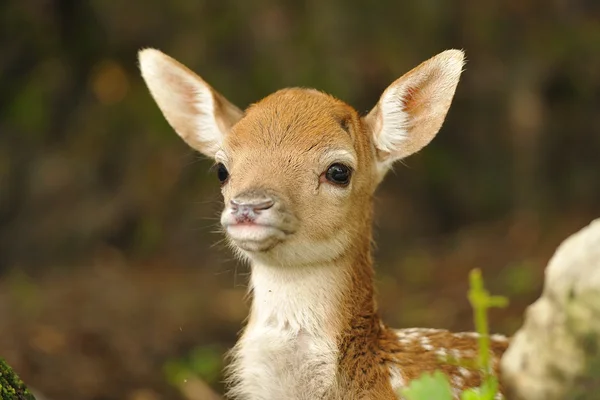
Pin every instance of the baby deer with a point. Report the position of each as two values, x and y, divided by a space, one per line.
298 171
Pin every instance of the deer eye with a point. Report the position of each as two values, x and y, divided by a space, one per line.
338 174
222 173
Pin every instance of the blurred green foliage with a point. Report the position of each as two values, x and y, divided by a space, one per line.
436 386
519 277
205 362
23 294
86 159
11 386
429 387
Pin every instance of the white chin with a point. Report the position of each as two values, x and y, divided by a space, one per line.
255 238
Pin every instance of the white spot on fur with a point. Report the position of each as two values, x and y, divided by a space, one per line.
469 353
455 353
472 335
419 331
442 353
397 380
426 343
458 381
456 391
499 338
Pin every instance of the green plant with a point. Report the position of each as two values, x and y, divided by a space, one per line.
11 386
436 386
203 363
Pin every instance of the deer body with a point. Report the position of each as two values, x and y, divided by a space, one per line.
298 172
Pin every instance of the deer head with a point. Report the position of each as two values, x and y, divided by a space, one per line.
298 169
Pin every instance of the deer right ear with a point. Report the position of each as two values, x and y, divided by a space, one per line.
411 110
200 115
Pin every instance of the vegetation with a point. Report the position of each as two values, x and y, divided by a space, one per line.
11 386
204 363
436 386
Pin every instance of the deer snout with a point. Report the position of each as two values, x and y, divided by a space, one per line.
256 221
247 208
252 204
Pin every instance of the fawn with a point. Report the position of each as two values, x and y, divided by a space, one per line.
298 172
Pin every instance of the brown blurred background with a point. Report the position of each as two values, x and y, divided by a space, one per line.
111 285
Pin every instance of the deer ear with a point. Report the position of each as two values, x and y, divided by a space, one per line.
200 115
412 109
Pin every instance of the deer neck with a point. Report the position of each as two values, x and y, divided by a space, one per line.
321 300
306 322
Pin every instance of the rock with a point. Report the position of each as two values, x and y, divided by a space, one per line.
556 354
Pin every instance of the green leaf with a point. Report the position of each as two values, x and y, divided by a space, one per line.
429 387
489 388
471 394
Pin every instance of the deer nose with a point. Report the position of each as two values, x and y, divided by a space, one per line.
251 205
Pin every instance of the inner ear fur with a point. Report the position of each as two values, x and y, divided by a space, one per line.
412 109
197 112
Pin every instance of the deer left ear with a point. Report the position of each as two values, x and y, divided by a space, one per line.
412 109
197 112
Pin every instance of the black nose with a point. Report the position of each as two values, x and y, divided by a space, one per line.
254 204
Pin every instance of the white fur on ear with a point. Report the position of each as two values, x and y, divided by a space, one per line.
200 115
411 110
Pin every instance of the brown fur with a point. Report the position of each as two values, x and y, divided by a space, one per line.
275 149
